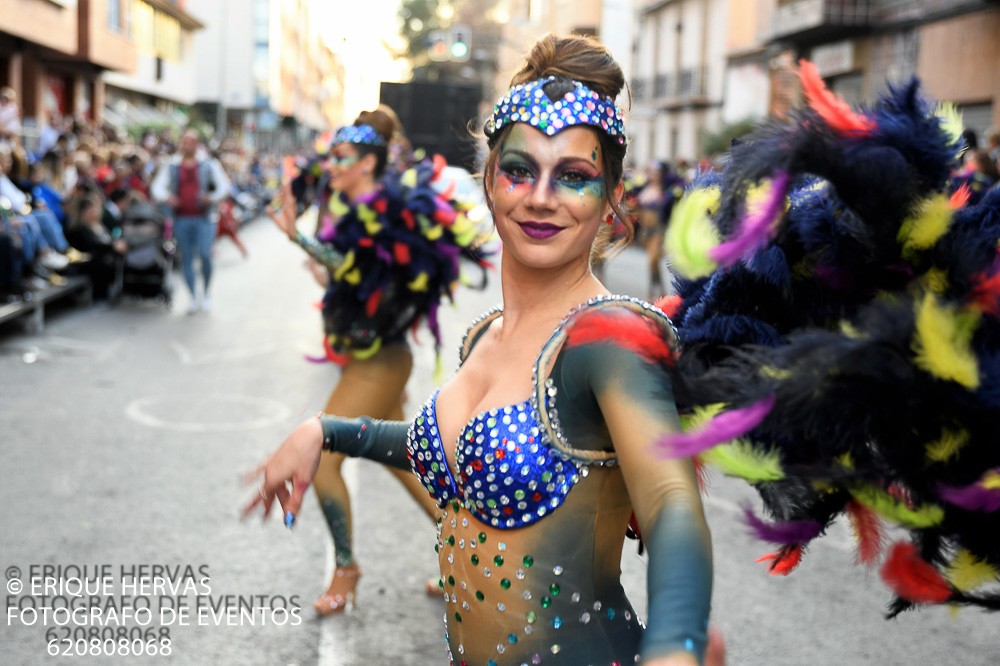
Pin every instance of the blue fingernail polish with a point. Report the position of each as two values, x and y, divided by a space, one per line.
289 519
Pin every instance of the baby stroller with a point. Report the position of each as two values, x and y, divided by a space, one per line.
150 256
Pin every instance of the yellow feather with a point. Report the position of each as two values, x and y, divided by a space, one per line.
363 354
741 459
353 277
434 232
771 372
338 207
921 231
419 283
935 280
967 573
947 446
942 342
346 266
951 121
691 233
990 481
409 178
889 507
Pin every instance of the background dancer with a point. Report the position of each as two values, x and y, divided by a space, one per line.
392 252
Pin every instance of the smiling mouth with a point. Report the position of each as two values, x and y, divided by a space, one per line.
539 229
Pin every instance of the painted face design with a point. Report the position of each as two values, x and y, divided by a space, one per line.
574 179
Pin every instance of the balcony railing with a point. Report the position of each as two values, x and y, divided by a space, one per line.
675 88
801 19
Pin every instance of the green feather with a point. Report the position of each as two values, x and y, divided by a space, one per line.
691 233
741 459
889 507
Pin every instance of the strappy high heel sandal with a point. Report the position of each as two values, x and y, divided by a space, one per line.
342 593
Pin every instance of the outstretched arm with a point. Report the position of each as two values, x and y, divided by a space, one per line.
289 471
284 218
635 398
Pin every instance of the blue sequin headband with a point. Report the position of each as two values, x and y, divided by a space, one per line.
363 134
528 103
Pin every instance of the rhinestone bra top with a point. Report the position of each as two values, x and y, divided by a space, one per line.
514 463
508 477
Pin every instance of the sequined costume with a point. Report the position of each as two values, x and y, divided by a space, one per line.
535 504
392 256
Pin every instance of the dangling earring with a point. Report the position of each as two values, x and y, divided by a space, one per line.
611 219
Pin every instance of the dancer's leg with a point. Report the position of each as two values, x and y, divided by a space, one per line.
371 387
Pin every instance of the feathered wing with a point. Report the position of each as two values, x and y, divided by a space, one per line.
860 327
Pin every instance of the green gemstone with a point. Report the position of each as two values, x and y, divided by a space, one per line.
451 580
528 560
490 422
475 559
451 540
455 506
498 560
546 602
458 617
491 503
531 617
480 595
519 494
554 589
546 477
505 583
482 537
512 639
437 548
434 467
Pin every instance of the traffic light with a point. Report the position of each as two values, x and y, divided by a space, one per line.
461 43
437 45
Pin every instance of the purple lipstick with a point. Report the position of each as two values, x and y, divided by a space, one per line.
539 230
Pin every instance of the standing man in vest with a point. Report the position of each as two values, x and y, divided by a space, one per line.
191 184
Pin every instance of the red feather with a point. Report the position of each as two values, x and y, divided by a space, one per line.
439 164
701 472
836 112
339 359
629 331
869 531
986 292
408 219
784 561
913 579
380 206
444 215
367 241
402 253
449 192
670 305
372 305
960 197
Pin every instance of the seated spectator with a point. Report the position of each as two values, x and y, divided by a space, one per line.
41 233
979 175
87 234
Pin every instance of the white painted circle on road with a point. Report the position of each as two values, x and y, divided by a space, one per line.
213 413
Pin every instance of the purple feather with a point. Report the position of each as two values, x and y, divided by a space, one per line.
722 428
383 254
975 497
432 323
753 230
315 359
792 531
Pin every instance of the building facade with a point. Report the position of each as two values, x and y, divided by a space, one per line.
679 78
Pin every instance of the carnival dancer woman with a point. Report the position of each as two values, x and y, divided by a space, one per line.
538 449
392 252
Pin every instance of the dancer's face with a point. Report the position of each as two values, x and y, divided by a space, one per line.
548 195
350 173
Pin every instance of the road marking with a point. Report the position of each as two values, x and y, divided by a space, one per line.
233 354
265 413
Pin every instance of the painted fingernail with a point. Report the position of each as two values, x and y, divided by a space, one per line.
289 519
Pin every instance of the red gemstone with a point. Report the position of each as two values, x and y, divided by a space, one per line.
442 481
537 497
508 510
477 464
501 454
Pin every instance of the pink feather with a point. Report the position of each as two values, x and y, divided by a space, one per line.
722 428
754 231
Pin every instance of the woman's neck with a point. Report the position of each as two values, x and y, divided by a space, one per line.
533 296
362 190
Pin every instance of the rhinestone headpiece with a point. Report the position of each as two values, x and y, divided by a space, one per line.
528 103
363 134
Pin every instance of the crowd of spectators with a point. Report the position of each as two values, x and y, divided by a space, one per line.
62 204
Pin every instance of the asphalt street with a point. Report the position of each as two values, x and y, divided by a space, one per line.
124 432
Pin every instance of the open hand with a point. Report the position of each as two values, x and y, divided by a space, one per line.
284 215
288 472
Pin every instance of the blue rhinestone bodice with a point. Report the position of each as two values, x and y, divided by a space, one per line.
508 476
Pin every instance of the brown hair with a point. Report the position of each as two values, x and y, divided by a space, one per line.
386 127
583 59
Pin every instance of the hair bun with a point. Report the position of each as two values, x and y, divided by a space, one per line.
574 57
